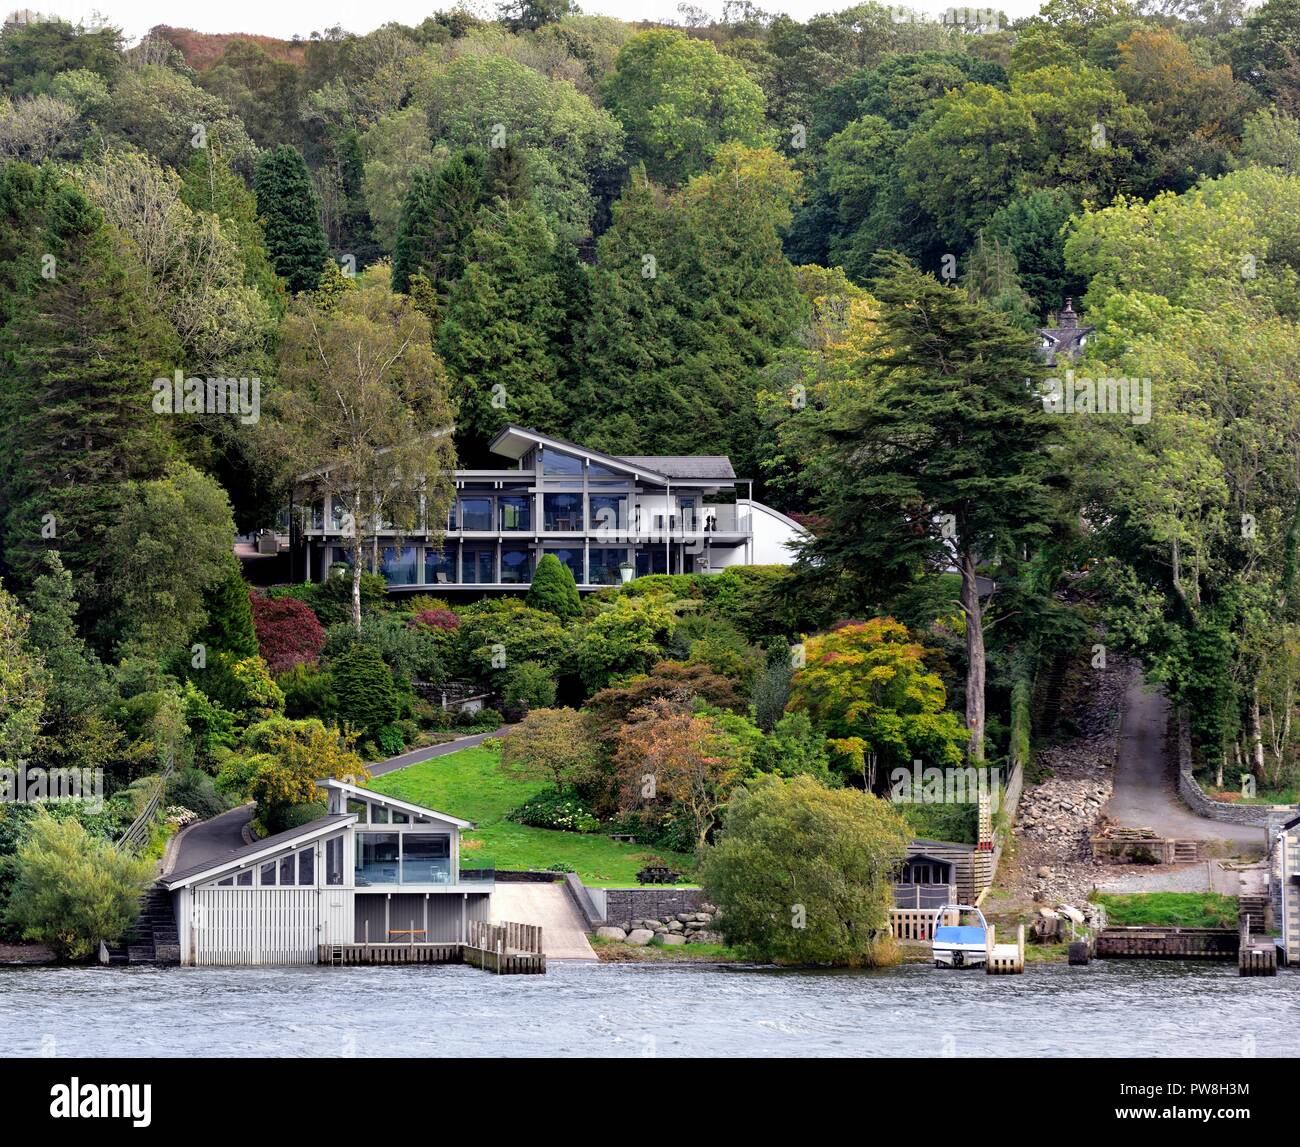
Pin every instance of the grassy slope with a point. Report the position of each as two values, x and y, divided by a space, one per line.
1170 909
467 784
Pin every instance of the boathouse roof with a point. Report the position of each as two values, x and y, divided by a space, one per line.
235 857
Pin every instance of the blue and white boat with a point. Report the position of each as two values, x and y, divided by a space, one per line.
960 945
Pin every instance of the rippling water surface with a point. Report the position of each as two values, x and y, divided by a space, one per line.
1110 1008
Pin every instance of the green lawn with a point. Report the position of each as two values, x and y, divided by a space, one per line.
467 784
1170 909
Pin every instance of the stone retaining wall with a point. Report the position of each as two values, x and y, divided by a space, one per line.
657 901
1194 796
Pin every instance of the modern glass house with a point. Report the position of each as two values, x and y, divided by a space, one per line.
607 518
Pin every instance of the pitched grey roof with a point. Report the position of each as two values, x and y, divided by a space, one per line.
684 465
311 829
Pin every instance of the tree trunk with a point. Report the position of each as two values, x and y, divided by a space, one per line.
356 564
975 667
1256 735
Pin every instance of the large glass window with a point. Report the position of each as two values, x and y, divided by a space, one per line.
597 472
476 513
398 565
439 566
307 866
244 878
572 559
651 562
426 858
561 465
377 858
562 511
286 869
516 565
516 511
608 513
605 566
318 515
341 556
268 874
478 567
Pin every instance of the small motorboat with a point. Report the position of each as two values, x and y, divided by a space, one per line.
960 945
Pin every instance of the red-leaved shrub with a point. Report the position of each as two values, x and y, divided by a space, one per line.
288 632
435 619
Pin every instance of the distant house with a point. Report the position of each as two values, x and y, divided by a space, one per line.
607 518
1284 886
1065 341
375 869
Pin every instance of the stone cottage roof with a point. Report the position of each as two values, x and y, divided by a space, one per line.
1066 339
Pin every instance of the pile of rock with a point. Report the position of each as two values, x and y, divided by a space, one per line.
683 928
1063 811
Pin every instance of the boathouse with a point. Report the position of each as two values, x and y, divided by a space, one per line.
374 869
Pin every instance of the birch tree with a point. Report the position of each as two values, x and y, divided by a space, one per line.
364 415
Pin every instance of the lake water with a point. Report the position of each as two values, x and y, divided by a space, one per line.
1110 1008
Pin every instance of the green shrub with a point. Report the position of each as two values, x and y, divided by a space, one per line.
308 692
562 811
194 789
529 685
363 686
553 589
483 719
281 818
390 739
73 890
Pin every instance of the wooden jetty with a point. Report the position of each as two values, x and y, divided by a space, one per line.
1256 956
1151 943
1005 959
506 949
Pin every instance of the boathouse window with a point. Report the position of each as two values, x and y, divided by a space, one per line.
229 882
307 866
358 807
426 858
268 874
244 878
377 858
334 860
286 869
400 818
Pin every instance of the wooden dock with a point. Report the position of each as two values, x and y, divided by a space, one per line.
1152 943
338 955
1257 955
505 949
1005 959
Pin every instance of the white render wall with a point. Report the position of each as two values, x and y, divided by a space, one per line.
772 531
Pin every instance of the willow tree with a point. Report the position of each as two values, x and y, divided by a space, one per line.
364 413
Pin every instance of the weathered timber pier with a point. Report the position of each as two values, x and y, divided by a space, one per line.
506 949
1150 943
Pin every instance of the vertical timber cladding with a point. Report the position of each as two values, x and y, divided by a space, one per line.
254 926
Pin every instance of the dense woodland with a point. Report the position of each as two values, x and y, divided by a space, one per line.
822 248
